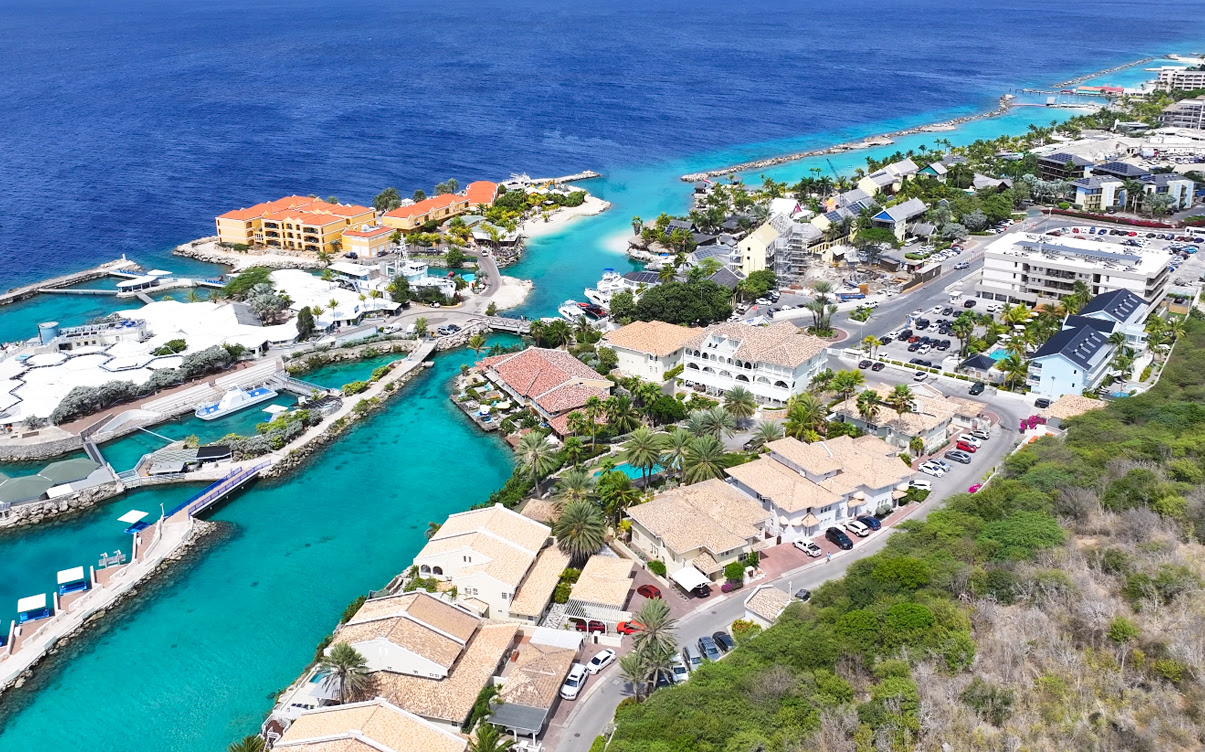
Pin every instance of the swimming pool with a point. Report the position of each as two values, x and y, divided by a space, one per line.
468 277
998 354
631 471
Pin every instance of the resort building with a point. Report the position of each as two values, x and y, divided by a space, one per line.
1176 77
372 726
700 527
648 349
896 218
368 241
934 418
1028 268
601 592
1173 185
551 382
1187 113
534 596
765 604
754 249
797 246
889 179
413 216
1119 170
487 554
807 488
1099 193
1062 166
292 223
774 362
1125 310
416 633
531 683
480 193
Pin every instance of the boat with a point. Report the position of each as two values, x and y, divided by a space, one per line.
611 283
570 310
233 401
592 310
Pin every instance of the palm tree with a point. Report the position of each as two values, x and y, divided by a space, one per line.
620 414
574 449
1015 368
487 738
476 343
1117 339
657 627
1078 298
616 493
594 409
822 381
193 296
580 531
765 432
643 449
916 445
900 399
741 403
846 383
719 421
247 744
535 455
574 485
868 405
635 667
805 413
705 459
1176 328
432 529
674 450
962 328
666 273
696 424
345 669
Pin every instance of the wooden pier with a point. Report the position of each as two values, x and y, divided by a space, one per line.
503 324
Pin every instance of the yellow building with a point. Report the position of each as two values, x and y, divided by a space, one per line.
367 241
434 209
293 223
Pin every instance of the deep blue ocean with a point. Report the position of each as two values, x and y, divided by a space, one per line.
128 125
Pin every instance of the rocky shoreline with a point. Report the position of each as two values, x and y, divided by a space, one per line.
41 511
1002 108
207 250
1105 72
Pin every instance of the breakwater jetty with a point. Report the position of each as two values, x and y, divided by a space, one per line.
1105 72
1003 107
585 175
17 294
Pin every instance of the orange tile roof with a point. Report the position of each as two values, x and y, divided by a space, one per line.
268 207
481 192
339 210
305 217
425 206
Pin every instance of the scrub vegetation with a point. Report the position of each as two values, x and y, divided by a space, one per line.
1057 608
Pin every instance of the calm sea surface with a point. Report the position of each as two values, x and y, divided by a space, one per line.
129 125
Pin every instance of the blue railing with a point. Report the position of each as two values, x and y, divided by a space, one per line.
222 487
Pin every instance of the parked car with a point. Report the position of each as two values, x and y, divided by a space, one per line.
835 535
885 340
978 387
921 484
723 640
920 376
681 673
857 528
803 594
649 591
809 548
601 660
981 434
877 367
702 591
962 446
932 468
574 682
708 648
692 657
864 364
596 626
974 441
959 456
628 627
969 304
1041 402
870 521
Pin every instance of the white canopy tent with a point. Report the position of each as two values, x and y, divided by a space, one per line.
690 578
31 603
68 576
132 516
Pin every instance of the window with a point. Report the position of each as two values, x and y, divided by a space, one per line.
437 570
424 569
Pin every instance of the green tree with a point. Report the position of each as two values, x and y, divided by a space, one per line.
344 670
741 403
487 738
454 257
657 632
574 485
845 383
765 432
675 450
900 399
621 415
718 421
536 456
643 449
594 409
805 415
420 326
616 493
623 307
580 531
705 458
305 323
247 744
476 343
683 303
387 200
868 405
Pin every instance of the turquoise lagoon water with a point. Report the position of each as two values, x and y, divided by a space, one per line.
335 375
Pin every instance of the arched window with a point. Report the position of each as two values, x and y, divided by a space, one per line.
437 570
693 365
781 384
742 377
424 569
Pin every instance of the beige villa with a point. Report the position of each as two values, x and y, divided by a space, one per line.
647 349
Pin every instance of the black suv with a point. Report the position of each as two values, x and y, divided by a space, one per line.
977 387
835 535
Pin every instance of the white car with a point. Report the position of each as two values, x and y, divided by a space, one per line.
871 304
923 349
681 673
966 438
809 548
857 528
930 468
962 265
920 484
937 308
600 661
574 682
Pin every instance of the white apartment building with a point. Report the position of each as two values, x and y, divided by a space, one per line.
1187 113
774 362
647 349
1171 77
1029 268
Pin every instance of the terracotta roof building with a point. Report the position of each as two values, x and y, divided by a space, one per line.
706 525
293 223
480 193
373 726
648 349
435 209
934 418
415 633
552 382
532 682
764 605
774 362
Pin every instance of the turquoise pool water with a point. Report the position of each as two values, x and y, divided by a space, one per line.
998 354
631 471
469 277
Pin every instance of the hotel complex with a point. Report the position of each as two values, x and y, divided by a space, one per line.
296 223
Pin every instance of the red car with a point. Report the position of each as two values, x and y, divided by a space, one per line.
649 591
629 627
966 447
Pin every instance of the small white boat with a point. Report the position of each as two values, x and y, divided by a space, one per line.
571 310
233 401
611 283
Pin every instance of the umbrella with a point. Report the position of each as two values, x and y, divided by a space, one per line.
26 488
67 471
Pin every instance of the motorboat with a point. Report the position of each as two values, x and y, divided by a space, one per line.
233 401
571 310
611 283
592 310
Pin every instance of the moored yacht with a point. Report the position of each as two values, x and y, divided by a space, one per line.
571 310
611 283
233 401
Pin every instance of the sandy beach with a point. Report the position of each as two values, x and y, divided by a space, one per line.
512 292
536 227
